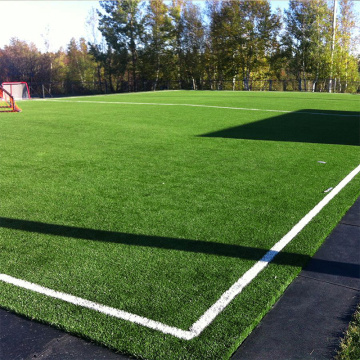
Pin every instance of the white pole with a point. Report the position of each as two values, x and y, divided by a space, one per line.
332 47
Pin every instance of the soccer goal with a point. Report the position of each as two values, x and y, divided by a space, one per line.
19 90
7 102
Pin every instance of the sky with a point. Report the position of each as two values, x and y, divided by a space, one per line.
57 21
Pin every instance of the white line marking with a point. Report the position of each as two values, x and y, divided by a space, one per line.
207 318
157 92
197 105
95 306
250 275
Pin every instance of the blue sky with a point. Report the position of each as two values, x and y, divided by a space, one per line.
57 21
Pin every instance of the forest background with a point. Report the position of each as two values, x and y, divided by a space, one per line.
178 44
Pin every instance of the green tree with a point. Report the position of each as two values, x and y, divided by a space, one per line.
308 39
122 27
110 66
175 13
243 38
19 61
218 43
345 62
193 43
156 54
80 64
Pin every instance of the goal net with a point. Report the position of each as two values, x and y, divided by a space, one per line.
19 90
7 102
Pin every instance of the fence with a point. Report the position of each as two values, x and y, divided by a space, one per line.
272 85
92 88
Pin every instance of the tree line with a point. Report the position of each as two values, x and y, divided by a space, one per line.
222 44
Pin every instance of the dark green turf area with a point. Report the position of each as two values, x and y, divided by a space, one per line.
159 209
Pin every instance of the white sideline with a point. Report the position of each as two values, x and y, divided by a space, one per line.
197 105
97 95
225 299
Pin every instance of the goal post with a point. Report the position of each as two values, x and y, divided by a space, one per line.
7 102
19 90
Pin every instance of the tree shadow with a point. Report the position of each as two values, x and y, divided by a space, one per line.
308 126
194 246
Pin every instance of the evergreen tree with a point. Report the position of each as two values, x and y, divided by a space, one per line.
193 44
80 64
122 27
175 12
156 52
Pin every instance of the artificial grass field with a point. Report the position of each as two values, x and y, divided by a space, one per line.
158 209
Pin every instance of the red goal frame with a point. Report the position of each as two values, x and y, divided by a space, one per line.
8 103
11 83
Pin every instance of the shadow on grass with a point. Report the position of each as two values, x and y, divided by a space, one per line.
194 246
308 126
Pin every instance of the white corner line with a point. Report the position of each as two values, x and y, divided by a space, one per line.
198 105
208 317
120 314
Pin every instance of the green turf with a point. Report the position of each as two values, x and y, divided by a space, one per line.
157 210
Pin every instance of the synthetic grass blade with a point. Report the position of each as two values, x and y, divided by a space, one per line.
207 318
152 212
